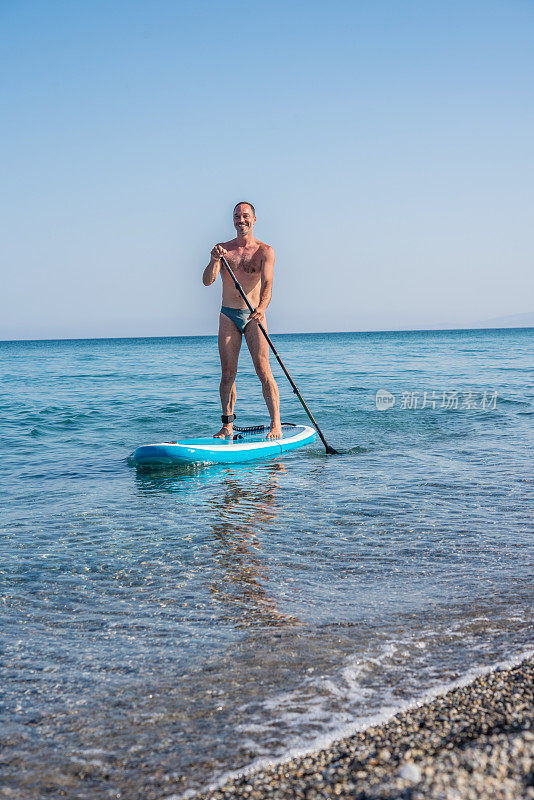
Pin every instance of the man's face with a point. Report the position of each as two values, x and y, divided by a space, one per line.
244 219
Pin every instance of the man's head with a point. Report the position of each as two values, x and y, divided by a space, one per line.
244 217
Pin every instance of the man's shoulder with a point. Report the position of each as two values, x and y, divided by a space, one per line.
265 249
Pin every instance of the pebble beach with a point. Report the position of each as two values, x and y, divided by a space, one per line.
475 741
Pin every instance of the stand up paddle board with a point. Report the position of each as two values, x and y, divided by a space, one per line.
243 447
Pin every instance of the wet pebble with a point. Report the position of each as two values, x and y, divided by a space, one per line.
410 772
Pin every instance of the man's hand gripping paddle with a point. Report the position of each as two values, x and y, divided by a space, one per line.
330 450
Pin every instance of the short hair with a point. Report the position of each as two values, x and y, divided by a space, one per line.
245 203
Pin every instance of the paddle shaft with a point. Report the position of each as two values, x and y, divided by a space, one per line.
329 450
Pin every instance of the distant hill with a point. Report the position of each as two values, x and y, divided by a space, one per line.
525 320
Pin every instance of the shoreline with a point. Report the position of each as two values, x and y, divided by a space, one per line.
474 741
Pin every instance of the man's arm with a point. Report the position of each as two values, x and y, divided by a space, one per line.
267 277
214 267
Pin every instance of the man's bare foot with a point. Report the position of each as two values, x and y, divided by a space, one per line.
225 432
275 432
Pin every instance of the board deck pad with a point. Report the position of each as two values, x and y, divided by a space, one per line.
246 447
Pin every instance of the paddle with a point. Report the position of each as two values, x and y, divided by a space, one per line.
330 450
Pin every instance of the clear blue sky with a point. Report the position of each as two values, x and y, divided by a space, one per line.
387 146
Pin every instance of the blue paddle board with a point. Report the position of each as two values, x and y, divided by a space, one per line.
246 447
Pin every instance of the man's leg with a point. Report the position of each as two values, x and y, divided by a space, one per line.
229 346
259 350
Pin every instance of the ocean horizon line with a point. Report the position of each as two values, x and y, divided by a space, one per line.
384 331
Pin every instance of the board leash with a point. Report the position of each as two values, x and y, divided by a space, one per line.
260 428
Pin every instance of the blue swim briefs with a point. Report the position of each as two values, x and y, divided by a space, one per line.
239 316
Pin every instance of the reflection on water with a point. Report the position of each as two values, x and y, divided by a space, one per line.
243 582
178 478
243 506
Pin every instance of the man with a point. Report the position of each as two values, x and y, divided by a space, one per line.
252 262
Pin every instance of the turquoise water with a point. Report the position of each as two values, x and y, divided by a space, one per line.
159 629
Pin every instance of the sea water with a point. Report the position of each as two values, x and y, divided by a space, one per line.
161 629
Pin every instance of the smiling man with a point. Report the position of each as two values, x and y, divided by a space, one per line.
252 262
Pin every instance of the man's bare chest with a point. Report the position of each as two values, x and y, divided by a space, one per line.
246 262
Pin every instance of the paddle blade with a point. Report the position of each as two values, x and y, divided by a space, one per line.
331 452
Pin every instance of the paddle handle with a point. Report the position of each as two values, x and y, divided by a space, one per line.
329 450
